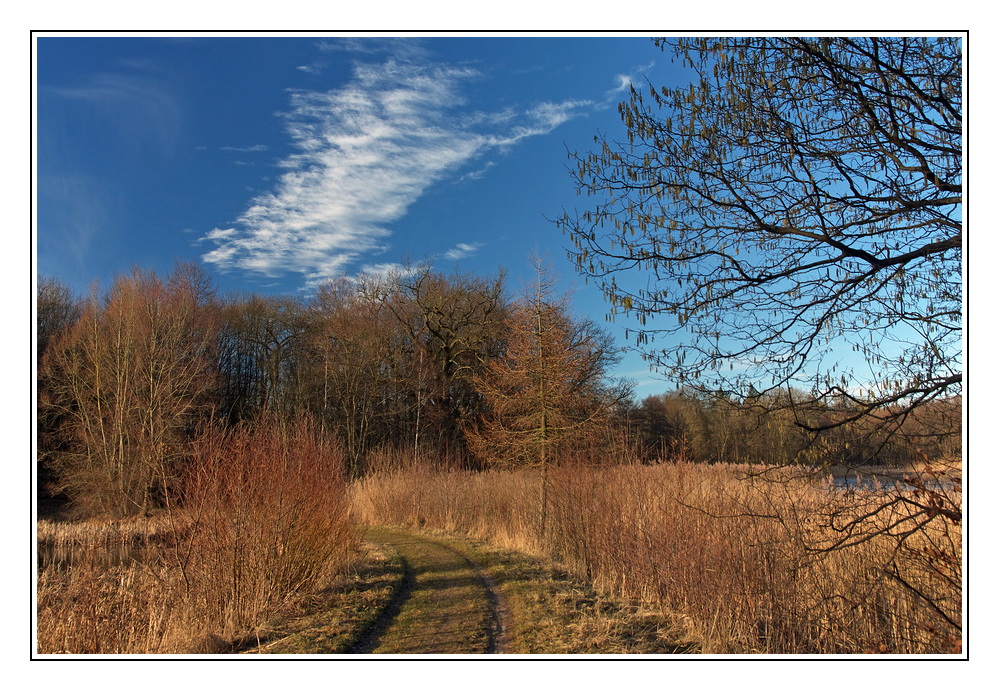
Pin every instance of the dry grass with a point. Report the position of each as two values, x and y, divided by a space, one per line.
743 563
265 525
336 619
555 612
110 542
550 610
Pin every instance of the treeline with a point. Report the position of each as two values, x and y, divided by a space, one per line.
395 367
789 427
419 367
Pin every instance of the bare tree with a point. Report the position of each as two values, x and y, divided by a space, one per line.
261 341
456 325
348 338
128 383
799 199
56 309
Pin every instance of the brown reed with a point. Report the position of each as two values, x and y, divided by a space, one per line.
748 562
265 523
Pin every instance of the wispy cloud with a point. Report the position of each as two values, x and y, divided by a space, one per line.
624 81
462 250
477 174
407 49
363 154
255 148
141 106
378 273
78 209
540 119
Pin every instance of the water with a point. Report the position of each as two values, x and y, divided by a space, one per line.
886 483
64 556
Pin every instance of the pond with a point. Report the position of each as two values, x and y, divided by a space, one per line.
885 482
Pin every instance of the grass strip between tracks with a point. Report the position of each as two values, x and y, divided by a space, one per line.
549 611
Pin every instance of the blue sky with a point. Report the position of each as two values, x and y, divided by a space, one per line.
278 162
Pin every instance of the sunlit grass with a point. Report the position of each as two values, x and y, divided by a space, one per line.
265 526
742 563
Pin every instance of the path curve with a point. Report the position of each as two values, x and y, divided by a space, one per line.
446 603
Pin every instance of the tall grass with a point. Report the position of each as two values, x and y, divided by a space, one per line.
265 522
744 563
103 587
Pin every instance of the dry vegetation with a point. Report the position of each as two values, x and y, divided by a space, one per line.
201 440
337 619
746 204
265 525
737 561
766 564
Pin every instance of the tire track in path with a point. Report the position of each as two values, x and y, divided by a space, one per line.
446 604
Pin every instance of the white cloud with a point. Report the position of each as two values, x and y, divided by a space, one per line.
462 250
255 148
378 273
477 174
541 119
364 153
624 81
551 115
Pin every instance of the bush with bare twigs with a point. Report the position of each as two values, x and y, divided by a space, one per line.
270 521
265 523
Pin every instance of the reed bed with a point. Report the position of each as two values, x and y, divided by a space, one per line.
747 562
62 544
104 587
265 523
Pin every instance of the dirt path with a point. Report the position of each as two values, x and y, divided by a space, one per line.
445 604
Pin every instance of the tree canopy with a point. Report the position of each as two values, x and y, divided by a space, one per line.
550 387
798 199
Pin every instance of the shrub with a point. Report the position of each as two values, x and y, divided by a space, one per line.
270 520
265 523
